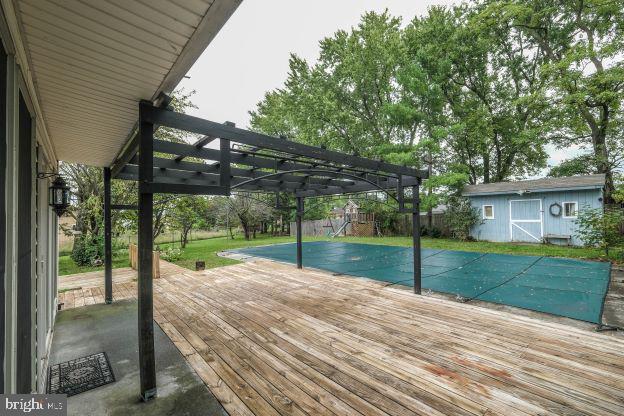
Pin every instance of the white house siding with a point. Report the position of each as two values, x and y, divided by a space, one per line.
499 228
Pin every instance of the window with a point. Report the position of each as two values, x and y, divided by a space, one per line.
488 212
569 210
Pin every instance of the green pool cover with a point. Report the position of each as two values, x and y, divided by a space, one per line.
565 287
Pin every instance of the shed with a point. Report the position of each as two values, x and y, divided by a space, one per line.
539 210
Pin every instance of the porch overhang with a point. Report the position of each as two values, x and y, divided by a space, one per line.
88 64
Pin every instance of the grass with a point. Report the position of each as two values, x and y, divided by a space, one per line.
207 250
65 248
68 266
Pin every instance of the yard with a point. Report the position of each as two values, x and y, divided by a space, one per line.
207 250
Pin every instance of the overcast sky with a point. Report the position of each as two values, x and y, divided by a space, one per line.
250 54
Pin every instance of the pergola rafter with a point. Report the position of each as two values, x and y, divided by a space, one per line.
246 161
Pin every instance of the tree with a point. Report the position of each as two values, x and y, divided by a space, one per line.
86 183
580 165
601 228
581 42
446 91
343 100
492 123
246 209
187 213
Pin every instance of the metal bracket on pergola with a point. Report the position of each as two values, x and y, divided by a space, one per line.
245 161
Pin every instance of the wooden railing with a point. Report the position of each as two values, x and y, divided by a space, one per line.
133 252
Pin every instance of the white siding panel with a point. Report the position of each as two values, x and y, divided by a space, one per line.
92 61
115 27
49 58
59 67
67 50
85 85
100 30
92 40
135 21
152 15
81 99
179 13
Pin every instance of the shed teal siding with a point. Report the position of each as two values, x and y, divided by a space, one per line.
499 228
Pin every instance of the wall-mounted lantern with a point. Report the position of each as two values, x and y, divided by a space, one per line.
58 193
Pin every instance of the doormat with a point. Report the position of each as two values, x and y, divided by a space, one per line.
79 375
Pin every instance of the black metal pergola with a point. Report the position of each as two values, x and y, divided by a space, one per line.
245 161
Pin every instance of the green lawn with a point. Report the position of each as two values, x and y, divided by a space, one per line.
68 266
207 250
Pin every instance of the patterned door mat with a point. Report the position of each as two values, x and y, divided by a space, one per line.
79 375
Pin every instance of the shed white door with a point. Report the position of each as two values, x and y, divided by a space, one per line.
525 220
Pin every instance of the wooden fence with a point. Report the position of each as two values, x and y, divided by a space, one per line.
317 228
403 226
133 252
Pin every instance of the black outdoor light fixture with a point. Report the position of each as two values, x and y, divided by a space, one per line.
58 193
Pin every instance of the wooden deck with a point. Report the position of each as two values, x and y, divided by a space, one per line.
268 339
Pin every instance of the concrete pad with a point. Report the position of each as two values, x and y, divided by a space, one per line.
113 329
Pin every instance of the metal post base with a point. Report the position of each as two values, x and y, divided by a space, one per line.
108 301
148 395
603 327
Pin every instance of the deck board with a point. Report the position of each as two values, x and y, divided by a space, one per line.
268 339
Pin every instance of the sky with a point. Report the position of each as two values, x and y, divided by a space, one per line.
249 56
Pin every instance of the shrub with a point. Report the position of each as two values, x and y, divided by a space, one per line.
171 254
87 249
435 232
601 228
460 217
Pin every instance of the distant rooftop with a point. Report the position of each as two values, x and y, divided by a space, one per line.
537 185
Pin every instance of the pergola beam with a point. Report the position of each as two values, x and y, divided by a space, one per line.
198 144
190 170
258 162
302 187
198 125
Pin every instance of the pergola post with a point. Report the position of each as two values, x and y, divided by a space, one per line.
416 238
298 218
147 361
108 251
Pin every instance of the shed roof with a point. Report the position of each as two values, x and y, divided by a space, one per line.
537 185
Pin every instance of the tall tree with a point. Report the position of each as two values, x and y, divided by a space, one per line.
581 42
342 101
494 104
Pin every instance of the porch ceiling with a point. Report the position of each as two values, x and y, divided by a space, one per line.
92 61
